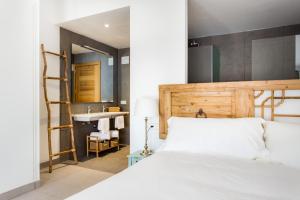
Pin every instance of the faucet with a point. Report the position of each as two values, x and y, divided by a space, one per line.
103 108
89 109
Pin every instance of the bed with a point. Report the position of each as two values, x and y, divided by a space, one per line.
183 170
169 175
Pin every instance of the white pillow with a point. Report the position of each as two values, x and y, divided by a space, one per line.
283 142
242 137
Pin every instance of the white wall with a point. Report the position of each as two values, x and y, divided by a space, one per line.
158 36
158 44
49 36
19 102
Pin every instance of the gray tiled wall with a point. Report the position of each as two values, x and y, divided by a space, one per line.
236 50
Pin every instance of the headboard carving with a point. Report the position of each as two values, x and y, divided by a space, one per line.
222 100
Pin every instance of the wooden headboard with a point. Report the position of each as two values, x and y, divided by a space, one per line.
222 100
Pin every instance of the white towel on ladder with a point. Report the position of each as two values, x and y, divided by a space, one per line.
103 125
119 122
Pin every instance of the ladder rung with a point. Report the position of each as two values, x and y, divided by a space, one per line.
56 54
58 102
62 152
55 78
61 127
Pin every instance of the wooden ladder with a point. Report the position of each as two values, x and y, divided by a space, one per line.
66 102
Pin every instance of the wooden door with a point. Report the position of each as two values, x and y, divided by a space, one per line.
87 82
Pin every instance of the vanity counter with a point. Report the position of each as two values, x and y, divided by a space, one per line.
88 117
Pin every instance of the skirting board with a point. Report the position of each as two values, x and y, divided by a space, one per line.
19 191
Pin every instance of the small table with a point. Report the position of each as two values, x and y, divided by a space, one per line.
135 157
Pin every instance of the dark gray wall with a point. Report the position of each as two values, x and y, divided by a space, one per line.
274 58
124 93
107 75
236 50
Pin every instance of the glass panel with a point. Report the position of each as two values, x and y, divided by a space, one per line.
274 58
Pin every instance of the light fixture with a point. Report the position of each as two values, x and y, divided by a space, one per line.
106 25
96 50
146 107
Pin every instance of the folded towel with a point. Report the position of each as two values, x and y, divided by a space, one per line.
103 124
105 135
119 122
100 135
114 133
95 134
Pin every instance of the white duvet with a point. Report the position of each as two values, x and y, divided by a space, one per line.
186 176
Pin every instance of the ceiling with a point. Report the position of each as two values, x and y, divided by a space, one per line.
206 18
216 17
116 35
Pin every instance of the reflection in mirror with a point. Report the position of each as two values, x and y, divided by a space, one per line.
92 75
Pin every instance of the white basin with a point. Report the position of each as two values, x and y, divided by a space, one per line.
87 117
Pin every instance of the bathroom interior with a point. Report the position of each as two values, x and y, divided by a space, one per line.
98 69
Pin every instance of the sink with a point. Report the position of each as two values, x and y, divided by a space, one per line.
87 117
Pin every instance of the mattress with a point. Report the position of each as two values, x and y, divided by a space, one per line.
186 176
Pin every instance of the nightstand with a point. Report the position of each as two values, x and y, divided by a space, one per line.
134 158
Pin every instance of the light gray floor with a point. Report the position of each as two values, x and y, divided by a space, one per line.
63 182
67 180
112 162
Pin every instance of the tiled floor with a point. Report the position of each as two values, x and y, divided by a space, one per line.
112 162
67 180
63 182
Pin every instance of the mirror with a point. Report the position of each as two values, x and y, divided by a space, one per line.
92 75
